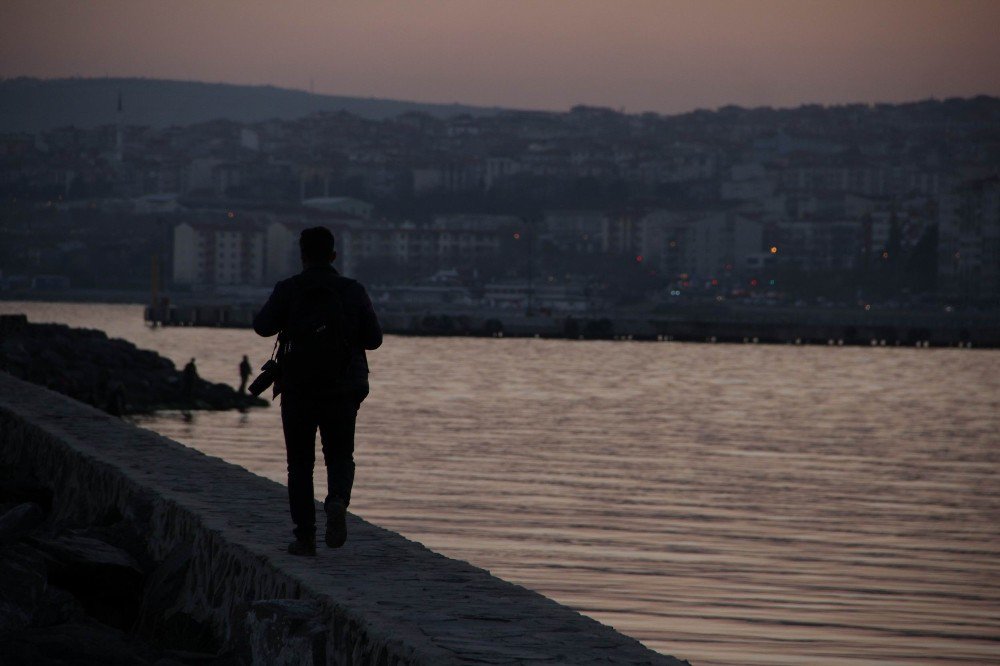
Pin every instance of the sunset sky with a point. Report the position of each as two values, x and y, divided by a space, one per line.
641 55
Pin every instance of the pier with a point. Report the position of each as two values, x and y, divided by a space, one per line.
772 325
213 537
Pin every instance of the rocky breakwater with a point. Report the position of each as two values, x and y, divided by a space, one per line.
121 546
108 373
86 594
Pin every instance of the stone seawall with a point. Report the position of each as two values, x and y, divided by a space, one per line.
215 533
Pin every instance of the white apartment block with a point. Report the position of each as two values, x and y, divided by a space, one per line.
210 253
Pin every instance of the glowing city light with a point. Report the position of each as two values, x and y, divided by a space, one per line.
774 249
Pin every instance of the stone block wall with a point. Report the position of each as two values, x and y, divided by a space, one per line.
213 535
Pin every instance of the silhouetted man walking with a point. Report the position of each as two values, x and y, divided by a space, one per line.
324 322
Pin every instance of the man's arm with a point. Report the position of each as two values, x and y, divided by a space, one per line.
369 330
273 316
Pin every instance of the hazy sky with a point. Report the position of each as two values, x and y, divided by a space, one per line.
643 55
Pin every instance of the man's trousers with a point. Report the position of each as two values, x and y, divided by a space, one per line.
334 417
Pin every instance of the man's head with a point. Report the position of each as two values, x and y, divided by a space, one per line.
316 247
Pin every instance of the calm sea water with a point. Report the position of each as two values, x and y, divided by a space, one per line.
725 504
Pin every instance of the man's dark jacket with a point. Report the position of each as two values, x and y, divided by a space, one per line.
279 313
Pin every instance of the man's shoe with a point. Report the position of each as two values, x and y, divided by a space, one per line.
336 523
303 547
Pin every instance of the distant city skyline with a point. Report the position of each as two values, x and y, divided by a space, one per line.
640 55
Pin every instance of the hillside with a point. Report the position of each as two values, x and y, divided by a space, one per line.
32 105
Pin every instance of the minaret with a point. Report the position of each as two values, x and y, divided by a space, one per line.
120 134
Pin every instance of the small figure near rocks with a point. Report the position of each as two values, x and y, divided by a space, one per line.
245 372
190 374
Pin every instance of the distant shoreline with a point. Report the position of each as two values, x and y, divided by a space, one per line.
777 326
123 296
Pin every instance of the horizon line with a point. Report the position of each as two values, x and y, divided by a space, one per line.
622 109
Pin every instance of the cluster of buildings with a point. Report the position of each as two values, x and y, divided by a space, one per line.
257 247
699 200
701 248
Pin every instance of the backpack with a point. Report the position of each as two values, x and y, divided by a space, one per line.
315 351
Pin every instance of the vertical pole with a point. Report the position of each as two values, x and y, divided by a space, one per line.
531 290
154 290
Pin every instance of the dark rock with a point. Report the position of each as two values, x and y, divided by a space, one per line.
18 522
107 580
110 374
22 587
188 658
57 607
112 529
41 622
13 323
76 550
78 643
14 491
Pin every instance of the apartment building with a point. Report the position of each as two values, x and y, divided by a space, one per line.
704 245
210 252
